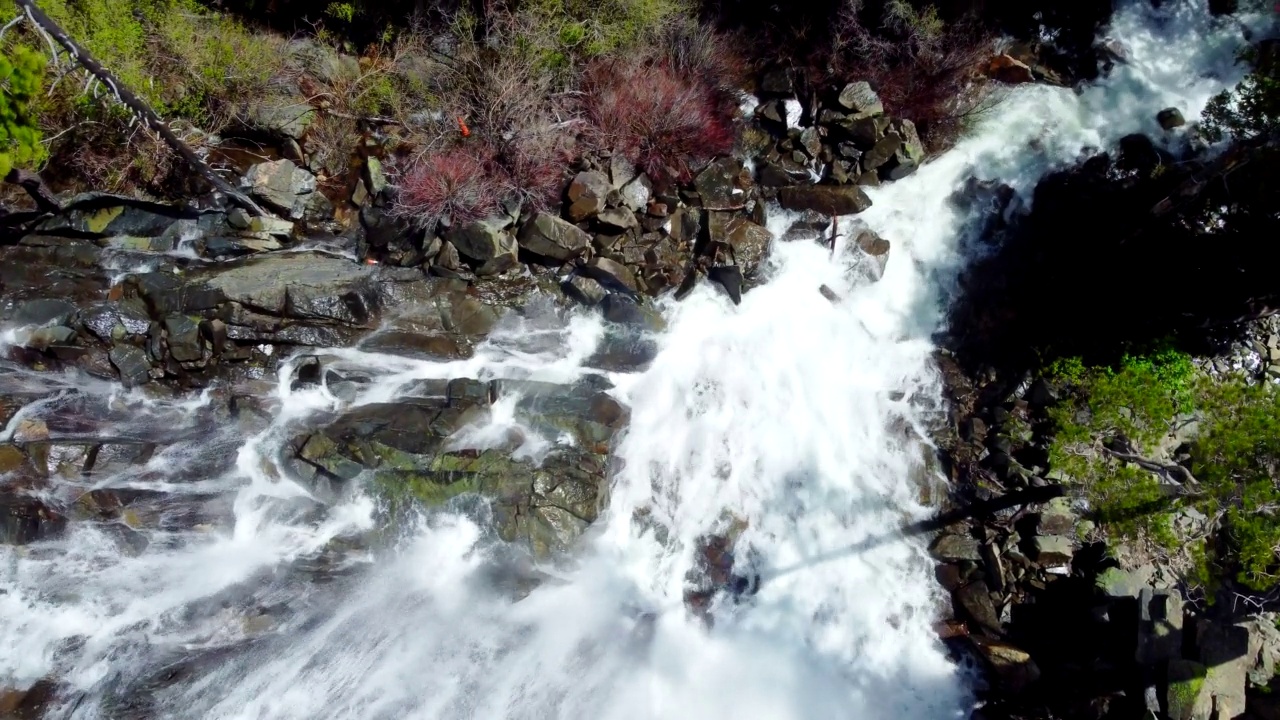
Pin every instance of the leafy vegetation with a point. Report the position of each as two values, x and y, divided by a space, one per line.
20 80
1252 108
1116 413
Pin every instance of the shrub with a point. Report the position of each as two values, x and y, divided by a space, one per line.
20 78
457 184
1252 108
922 68
663 120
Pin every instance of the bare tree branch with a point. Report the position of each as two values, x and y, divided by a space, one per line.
140 109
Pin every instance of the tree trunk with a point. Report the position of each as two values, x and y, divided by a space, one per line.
137 106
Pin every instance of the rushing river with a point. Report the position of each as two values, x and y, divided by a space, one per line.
800 416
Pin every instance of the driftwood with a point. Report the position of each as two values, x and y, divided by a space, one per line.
140 109
36 188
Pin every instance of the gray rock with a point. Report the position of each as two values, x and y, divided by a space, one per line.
610 273
1118 583
910 152
448 257
811 141
861 99
956 547
551 237
311 286
1185 695
618 219
866 132
374 176
1224 651
1159 626
132 364
637 193
975 599
281 117
488 244
621 171
185 343
587 194
881 152
43 313
281 185
47 337
1053 549
585 290
1057 518
826 199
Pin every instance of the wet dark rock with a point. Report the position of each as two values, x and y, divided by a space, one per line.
185 343
881 152
1012 667
488 244
230 247
975 599
771 174
866 132
281 185
1170 118
105 215
549 236
43 313
132 364
624 310
623 351
909 154
307 286
776 82
48 337
861 100
826 199
728 277
24 519
723 185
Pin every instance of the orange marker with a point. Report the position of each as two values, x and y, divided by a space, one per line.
466 131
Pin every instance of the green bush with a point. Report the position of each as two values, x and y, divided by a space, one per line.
1252 108
1234 458
20 78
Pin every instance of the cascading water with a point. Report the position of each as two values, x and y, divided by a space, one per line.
798 415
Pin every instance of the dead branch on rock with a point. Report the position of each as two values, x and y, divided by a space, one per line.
1174 473
141 111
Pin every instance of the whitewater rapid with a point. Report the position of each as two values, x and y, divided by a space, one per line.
801 416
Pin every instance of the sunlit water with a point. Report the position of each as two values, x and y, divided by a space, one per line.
799 415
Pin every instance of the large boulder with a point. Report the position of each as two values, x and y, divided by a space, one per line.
826 199
306 286
283 117
282 186
587 194
859 98
551 237
488 244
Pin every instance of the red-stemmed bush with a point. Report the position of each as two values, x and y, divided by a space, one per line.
459 183
666 122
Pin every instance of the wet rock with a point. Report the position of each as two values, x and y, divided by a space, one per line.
723 185
185 343
771 174
1053 549
309 286
104 215
281 185
975 599
43 313
859 98
910 151
728 277
873 252
866 132
551 237
950 548
220 248
812 226
749 242
826 199
48 337
587 195
623 351
1170 118
610 273
811 141
585 290
488 244
132 364
624 310
1011 666
24 519
881 153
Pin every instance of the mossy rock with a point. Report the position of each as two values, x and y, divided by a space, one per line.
1183 693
